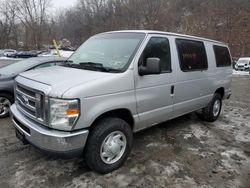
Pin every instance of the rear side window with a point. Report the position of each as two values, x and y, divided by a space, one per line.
158 47
222 56
192 55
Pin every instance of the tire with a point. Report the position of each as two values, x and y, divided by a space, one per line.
5 102
212 111
100 135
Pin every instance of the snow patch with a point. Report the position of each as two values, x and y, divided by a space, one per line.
232 158
157 144
243 136
245 73
9 58
193 149
200 132
230 153
64 53
170 170
187 136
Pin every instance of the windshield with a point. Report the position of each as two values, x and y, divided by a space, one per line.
242 62
113 51
18 67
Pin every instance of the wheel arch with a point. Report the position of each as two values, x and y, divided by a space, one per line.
121 113
220 91
8 93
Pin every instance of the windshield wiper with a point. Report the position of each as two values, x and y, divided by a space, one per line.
91 64
67 63
94 66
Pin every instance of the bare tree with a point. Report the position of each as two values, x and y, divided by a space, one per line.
28 20
8 36
32 14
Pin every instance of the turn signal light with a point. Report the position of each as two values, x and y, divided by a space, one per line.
72 111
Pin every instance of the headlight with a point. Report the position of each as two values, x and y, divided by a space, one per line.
63 113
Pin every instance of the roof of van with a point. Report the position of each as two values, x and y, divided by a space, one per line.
167 33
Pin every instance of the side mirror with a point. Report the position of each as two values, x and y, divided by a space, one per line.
153 66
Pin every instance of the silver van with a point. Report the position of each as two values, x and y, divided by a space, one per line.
115 84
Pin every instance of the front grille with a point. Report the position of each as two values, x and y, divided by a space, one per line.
30 102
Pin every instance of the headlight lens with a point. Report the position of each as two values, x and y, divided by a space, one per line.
63 113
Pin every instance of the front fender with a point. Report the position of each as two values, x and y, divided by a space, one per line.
93 107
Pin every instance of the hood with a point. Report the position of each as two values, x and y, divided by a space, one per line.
63 78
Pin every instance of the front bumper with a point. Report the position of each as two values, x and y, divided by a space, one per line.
241 68
49 140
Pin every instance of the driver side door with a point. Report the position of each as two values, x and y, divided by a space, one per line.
154 93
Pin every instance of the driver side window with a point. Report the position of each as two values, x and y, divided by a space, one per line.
158 47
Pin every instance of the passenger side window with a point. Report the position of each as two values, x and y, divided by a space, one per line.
192 55
158 47
222 56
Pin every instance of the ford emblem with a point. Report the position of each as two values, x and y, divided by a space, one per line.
24 99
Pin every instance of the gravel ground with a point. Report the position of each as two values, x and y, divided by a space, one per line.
184 152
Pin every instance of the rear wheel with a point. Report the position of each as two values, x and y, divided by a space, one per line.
5 102
109 145
212 111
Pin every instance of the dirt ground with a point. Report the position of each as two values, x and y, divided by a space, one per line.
184 152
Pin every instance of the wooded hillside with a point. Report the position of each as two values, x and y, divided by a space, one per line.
30 24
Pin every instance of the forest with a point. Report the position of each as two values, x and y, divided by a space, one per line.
30 24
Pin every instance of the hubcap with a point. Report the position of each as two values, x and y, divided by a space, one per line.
4 106
216 108
113 147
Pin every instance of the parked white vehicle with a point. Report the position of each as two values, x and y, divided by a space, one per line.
8 52
243 64
118 83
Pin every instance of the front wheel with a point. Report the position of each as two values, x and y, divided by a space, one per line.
109 145
5 102
212 111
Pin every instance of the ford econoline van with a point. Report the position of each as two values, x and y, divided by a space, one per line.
115 84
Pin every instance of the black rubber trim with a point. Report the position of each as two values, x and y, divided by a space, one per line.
60 154
23 127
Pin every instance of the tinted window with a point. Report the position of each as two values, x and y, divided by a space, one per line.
158 47
222 56
192 55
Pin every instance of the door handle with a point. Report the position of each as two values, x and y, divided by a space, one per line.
172 90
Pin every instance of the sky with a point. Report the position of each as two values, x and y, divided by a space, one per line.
61 4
